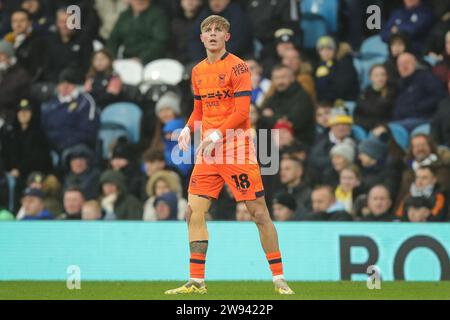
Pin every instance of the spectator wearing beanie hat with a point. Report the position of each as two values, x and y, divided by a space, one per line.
339 131
51 188
34 207
123 160
284 207
342 155
166 206
117 203
15 83
79 165
372 154
168 106
335 78
286 133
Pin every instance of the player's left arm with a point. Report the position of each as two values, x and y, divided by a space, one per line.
242 88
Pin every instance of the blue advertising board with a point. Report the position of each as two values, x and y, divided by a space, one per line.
321 251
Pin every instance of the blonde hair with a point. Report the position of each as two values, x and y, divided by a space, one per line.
217 20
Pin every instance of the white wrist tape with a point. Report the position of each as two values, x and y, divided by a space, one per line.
214 136
186 129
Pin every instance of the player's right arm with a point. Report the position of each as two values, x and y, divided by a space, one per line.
184 139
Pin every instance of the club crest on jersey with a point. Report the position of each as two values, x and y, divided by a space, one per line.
199 82
222 79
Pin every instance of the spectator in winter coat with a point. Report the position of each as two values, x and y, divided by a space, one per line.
340 130
335 78
39 14
378 205
34 207
323 111
67 48
284 206
376 169
181 26
143 30
161 182
123 159
28 44
73 201
415 18
440 126
418 94
102 82
374 106
426 187
348 188
24 147
79 163
325 207
398 43
51 188
109 11
342 155
15 82
267 16
166 206
292 182
115 200
424 152
239 44
289 101
70 117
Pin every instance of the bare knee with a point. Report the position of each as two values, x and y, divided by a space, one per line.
261 215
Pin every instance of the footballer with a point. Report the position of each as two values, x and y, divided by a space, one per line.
222 90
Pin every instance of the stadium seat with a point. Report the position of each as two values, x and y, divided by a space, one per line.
430 60
167 71
422 129
363 65
350 105
313 27
400 135
130 71
359 133
126 114
109 133
11 191
327 9
162 71
374 47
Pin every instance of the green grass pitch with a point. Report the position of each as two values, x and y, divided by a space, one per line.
246 290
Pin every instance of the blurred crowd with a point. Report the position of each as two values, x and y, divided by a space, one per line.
349 151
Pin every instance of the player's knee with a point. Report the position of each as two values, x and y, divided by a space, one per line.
261 216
